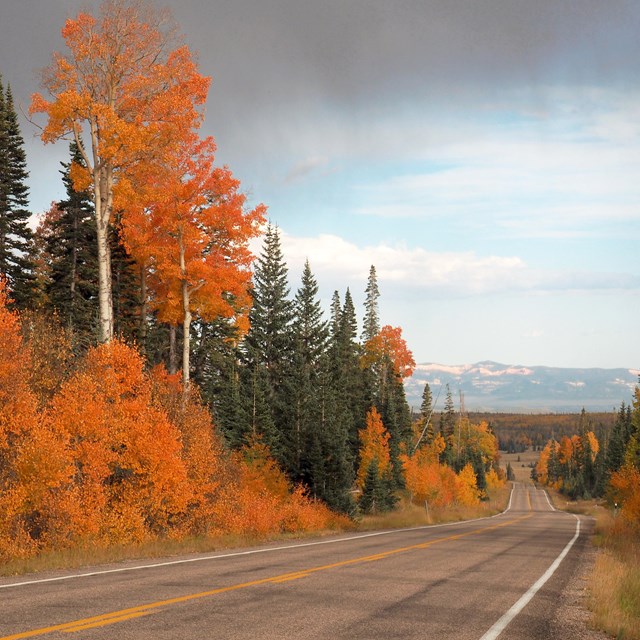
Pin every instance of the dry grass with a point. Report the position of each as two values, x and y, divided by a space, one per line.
85 557
615 582
520 463
412 515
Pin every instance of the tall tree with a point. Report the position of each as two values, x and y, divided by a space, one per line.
68 232
448 423
197 238
134 92
371 321
16 238
269 341
310 333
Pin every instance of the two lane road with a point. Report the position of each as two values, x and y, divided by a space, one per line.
467 580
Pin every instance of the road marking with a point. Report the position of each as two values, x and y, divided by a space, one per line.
201 558
134 612
529 499
546 495
106 621
502 623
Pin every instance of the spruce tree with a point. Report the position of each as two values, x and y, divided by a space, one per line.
16 238
425 423
371 321
70 247
310 334
448 424
125 287
269 342
348 378
618 439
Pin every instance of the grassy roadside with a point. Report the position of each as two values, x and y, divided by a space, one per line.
614 583
411 515
406 515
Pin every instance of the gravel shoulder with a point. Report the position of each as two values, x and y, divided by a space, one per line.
572 617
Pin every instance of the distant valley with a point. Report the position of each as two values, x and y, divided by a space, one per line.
491 386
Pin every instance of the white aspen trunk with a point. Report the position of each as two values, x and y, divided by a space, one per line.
173 366
105 304
103 202
186 338
186 322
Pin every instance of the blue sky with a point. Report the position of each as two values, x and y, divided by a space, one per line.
484 155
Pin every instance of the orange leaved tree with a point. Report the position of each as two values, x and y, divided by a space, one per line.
192 227
389 346
130 481
126 93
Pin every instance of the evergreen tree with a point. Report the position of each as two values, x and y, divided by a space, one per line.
448 424
310 334
269 343
425 424
70 247
620 434
347 374
217 371
125 288
371 321
16 238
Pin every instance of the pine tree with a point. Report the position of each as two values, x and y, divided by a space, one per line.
425 423
16 238
371 321
269 342
70 247
448 422
618 439
348 378
125 288
310 334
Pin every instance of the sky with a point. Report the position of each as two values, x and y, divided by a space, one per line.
483 155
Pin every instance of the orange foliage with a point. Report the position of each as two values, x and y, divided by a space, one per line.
123 78
17 403
188 221
389 343
494 479
437 484
467 492
625 490
129 478
261 501
374 445
119 456
18 415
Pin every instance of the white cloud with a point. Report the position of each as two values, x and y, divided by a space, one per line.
334 259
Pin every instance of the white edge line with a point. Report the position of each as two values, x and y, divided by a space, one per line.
546 495
246 553
501 624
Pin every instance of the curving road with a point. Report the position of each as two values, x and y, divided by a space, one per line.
482 579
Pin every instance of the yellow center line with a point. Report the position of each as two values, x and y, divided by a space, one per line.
529 499
106 621
141 610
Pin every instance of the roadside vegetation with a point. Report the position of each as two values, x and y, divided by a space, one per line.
601 477
615 583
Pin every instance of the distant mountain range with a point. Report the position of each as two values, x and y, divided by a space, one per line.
491 386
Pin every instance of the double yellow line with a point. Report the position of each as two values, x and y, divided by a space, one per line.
143 610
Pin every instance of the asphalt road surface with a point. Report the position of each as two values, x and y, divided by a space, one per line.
482 579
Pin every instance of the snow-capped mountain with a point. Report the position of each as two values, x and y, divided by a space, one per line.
491 386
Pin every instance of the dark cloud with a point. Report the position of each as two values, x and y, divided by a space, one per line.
274 61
